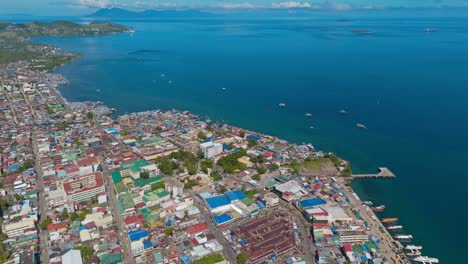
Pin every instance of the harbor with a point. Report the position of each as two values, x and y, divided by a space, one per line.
384 172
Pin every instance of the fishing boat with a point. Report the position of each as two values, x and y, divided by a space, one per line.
308 115
430 30
390 220
379 208
224 88
426 260
413 247
368 203
343 112
404 238
362 126
282 105
413 253
395 228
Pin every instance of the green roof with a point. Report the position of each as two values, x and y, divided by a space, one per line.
357 249
134 166
140 182
158 257
126 200
111 258
271 184
284 178
120 206
247 201
116 177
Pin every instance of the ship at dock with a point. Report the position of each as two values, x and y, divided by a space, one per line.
404 238
426 260
379 208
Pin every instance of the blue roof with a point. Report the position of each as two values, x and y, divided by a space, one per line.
260 204
307 203
137 234
221 219
147 244
82 228
235 195
254 137
185 259
217 201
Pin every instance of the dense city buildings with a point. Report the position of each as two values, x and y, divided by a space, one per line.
79 186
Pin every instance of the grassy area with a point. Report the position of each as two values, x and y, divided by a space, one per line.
315 164
210 259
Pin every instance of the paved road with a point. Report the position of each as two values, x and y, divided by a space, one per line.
41 203
127 256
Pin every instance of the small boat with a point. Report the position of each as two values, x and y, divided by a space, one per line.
395 228
413 247
308 115
169 82
310 146
404 237
98 90
390 220
311 127
379 208
282 105
426 260
163 75
343 112
413 253
430 30
368 203
224 88
362 126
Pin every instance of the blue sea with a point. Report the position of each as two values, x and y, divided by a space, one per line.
408 86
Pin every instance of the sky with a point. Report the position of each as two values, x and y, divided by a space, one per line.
76 7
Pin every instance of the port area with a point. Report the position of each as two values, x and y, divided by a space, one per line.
384 172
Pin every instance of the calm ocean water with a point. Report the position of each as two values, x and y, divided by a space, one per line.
409 87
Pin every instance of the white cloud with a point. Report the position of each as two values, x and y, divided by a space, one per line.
291 4
244 5
96 3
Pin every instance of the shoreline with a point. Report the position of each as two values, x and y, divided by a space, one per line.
391 244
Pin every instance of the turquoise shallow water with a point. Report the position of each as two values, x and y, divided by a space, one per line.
409 87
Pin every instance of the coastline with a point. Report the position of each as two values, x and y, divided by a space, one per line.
57 90
391 248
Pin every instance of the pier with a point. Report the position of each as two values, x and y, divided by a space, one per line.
383 173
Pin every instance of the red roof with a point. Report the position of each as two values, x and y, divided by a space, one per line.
347 248
71 169
98 178
87 161
55 227
197 228
135 219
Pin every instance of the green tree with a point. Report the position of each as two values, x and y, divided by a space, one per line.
44 224
18 197
90 115
86 253
201 135
74 216
215 176
200 154
251 143
65 213
261 170
274 166
242 258
192 169
157 185
165 165
256 177
144 174
206 164
190 184
168 231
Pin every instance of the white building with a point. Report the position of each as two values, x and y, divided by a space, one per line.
19 228
72 257
211 149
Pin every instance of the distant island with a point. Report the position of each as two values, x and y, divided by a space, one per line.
119 13
14 44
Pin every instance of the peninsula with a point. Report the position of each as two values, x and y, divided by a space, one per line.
14 44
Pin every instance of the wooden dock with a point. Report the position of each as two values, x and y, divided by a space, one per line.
383 173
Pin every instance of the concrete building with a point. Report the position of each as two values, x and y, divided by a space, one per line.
211 149
72 257
20 228
84 187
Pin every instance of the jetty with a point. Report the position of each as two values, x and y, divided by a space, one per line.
383 173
